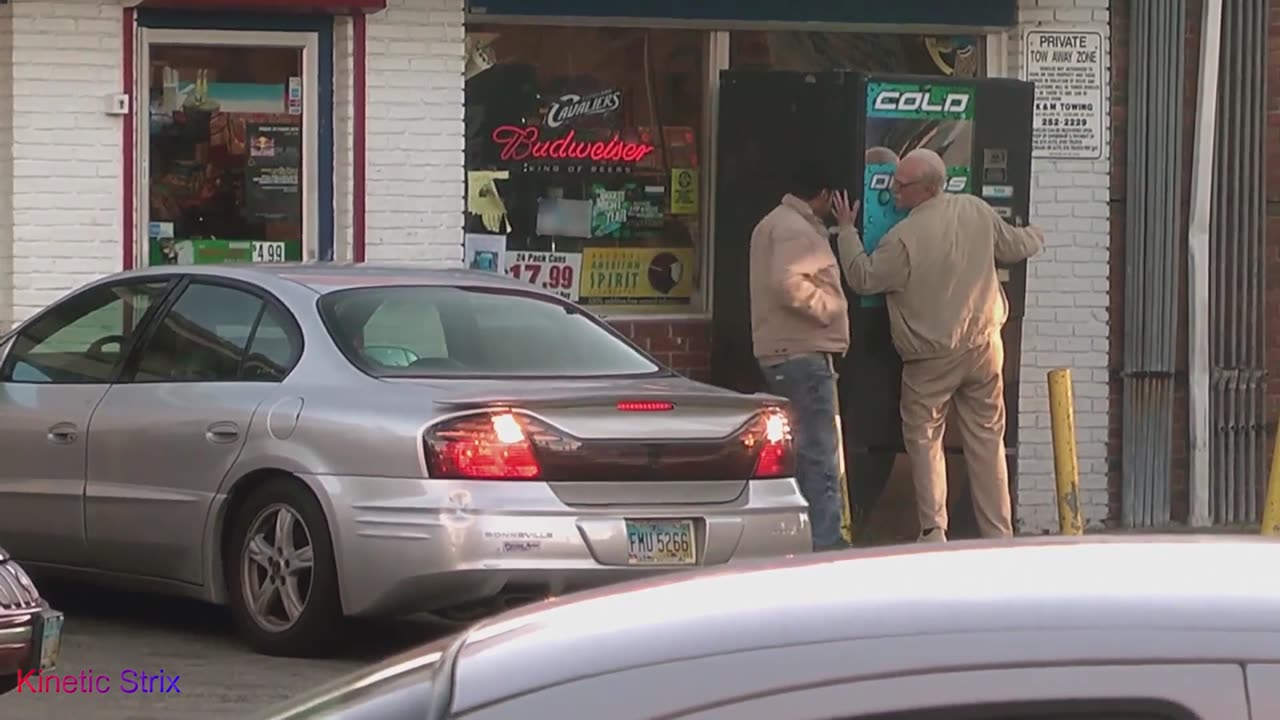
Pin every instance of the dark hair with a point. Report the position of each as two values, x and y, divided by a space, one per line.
809 179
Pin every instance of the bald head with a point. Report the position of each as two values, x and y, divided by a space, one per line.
920 177
881 155
924 167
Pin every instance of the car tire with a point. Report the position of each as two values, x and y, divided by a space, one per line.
8 683
316 628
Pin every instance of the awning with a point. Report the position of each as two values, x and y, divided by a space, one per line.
970 15
334 7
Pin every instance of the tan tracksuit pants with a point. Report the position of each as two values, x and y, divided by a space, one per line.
972 380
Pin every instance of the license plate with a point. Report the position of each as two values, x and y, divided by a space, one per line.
268 252
51 640
661 542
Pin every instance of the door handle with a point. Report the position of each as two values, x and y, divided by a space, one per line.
63 434
222 433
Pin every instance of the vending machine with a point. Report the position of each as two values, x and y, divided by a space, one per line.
855 127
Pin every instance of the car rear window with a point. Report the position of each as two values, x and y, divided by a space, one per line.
430 331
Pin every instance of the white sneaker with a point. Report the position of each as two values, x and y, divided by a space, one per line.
932 535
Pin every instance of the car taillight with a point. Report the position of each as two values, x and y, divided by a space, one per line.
484 446
769 436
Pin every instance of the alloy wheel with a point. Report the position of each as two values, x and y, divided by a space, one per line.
277 566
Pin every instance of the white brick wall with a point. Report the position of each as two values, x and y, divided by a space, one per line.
1068 298
343 114
416 180
65 171
6 166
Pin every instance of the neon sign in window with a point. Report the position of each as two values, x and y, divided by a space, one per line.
525 143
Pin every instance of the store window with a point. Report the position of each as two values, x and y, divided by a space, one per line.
224 154
585 155
956 56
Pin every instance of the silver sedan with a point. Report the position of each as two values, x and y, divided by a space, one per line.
1134 628
305 442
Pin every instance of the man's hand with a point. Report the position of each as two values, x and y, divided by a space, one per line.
844 212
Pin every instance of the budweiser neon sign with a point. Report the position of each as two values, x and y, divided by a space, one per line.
525 143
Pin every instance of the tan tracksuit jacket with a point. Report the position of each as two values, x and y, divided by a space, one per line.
797 301
937 270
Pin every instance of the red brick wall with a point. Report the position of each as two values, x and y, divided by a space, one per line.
1120 66
684 345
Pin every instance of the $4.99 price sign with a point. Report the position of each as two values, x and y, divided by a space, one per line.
557 272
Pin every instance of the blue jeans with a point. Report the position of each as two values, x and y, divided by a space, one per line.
809 383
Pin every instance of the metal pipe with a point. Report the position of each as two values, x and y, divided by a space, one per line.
1198 262
1173 208
1160 163
1259 27
1138 162
1230 479
1233 124
1219 456
1255 110
1255 30
1230 131
1131 428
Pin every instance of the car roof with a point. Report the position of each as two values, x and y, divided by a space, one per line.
1181 581
326 277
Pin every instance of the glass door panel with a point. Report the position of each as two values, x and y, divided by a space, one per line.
224 154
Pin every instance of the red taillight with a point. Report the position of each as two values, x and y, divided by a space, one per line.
769 436
484 446
645 406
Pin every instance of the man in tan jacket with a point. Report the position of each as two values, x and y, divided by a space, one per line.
799 325
937 268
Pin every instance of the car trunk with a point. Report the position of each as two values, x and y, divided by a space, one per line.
653 441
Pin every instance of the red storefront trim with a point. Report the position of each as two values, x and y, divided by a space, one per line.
359 67
128 140
336 7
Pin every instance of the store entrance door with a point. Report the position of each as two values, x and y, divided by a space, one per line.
768 121
227 139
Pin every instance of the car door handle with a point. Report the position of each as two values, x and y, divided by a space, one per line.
222 433
63 434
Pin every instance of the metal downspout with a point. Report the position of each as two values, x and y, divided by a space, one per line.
1152 234
1198 289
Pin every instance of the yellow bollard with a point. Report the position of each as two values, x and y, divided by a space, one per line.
1065 465
1271 512
846 520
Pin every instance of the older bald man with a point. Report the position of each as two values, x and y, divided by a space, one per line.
937 269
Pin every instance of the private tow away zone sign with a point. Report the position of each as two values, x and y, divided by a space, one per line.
1066 66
